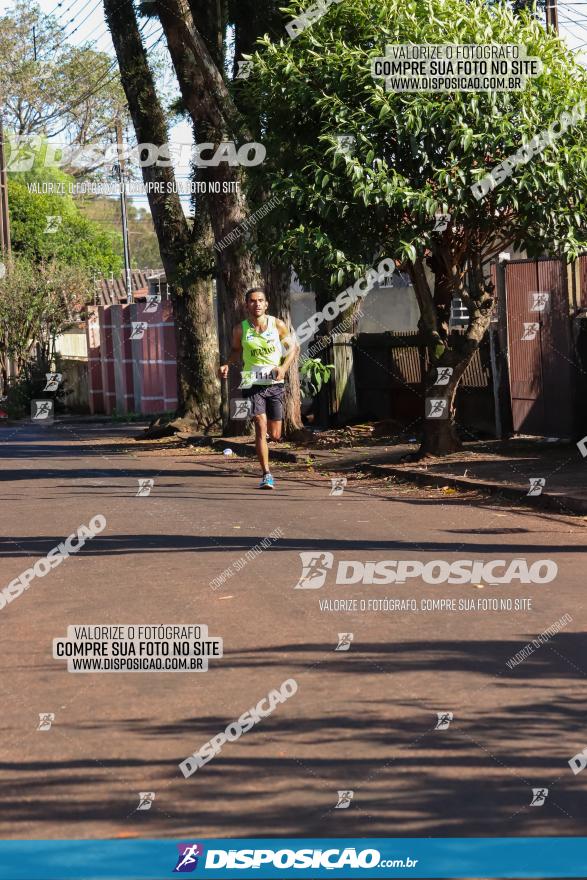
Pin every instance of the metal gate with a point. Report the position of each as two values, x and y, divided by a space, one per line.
539 347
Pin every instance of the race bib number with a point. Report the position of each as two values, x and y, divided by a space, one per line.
257 376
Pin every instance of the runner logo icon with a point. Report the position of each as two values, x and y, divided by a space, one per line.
187 861
314 568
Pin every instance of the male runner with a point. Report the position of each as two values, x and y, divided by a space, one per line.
267 350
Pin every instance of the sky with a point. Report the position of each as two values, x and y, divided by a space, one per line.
85 22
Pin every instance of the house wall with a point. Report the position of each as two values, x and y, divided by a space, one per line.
72 344
390 307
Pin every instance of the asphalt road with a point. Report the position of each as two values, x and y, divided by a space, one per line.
362 720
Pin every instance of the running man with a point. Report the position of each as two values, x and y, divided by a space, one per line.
265 347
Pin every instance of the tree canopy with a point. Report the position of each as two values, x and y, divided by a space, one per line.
414 154
49 86
50 226
365 172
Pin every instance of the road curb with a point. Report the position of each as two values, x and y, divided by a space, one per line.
547 500
557 501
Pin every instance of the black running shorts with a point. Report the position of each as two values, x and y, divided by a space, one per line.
266 399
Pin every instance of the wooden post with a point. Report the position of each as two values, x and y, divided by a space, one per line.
499 357
344 401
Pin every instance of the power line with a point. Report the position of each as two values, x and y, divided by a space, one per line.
73 18
111 67
53 11
100 83
582 26
91 12
142 29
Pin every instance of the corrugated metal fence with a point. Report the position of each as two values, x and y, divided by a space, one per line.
542 363
132 358
390 371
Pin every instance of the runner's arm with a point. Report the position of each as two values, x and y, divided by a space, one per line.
290 346
236 351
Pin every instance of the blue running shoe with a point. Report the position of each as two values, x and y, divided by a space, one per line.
267 482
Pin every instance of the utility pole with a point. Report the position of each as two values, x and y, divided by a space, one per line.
4 244
552 15
4 218
123 210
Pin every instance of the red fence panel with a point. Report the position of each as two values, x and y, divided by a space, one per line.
132 358
539 348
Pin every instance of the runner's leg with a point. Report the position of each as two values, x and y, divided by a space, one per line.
275 411
261 441
274 429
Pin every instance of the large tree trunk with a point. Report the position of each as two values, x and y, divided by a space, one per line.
440 435
215 119
190 290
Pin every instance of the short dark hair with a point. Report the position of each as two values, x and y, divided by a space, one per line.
254 290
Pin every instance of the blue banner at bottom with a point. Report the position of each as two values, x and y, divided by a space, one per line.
311 858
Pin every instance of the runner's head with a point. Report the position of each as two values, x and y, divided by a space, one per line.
256 302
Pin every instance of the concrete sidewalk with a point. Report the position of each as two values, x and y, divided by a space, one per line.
503 467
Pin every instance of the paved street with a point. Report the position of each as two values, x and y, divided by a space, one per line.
362 720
